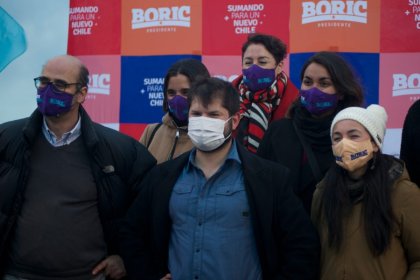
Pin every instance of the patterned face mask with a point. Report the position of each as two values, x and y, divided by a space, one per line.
352 155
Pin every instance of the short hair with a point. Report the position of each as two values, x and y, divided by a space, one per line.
273 45
206 90
83 76
190 68
342 77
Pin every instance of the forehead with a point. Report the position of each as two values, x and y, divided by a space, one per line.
178 80
62 68
346 126
214 105
257 50
315 70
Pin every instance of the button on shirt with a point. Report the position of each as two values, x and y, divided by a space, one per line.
212 235
67 137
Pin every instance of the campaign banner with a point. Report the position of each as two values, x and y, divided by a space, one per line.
227 23
399 85
134 130
392 142
103 99
364 65
400 26
226 68
337 25
94 27
158 27
142 81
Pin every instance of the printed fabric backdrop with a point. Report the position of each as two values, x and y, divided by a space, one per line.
129 45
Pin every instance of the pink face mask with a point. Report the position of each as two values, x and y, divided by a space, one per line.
352 155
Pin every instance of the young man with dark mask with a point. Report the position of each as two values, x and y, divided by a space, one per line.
218 212
65 184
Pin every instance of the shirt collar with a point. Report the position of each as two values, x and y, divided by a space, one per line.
232 156
67 138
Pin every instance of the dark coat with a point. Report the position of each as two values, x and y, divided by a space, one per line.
118 164
287 244
281 144
410 147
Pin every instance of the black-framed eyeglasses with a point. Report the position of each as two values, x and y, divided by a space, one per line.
58 86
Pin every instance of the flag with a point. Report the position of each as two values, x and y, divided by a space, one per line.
12 39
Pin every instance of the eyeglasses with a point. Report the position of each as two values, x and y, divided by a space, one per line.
58 86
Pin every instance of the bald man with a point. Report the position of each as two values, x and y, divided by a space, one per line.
65 184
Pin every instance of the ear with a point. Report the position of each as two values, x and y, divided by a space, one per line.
81 96
279 67
235 120
375 146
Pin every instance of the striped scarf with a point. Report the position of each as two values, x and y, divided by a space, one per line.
256 109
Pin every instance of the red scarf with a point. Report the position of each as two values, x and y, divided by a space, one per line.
256 110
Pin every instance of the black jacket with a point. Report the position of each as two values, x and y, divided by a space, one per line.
410 147
118 164
282 145
287 243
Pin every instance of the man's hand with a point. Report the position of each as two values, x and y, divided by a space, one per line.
112 266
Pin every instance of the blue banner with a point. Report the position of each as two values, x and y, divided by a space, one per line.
12 39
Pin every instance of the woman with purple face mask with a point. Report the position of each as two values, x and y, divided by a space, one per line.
264 88
169 139
301 141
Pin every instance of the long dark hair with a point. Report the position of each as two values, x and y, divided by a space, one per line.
189 67
377 213
342 76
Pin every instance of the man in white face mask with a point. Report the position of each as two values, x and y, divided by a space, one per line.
219 211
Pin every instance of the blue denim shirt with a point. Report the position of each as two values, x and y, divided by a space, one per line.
212 235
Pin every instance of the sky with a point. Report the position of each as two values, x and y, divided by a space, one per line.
46 26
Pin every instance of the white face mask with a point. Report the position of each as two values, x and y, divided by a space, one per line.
207 134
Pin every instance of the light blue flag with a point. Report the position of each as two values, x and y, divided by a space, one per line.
12 39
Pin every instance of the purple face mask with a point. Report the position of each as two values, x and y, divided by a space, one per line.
51 103
317 102
257 78
178 107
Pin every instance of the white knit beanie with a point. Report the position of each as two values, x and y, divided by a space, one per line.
373 118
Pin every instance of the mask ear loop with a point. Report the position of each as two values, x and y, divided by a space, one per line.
230 134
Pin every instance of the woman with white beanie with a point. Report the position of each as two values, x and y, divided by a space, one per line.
366 209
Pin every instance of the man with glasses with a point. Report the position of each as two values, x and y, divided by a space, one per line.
65 184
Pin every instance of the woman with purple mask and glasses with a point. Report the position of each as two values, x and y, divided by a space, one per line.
169 139
301 141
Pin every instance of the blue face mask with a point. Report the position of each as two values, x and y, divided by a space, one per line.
53 103
257 78
317 102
